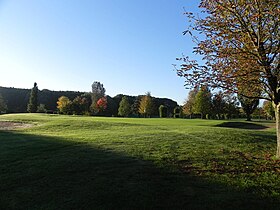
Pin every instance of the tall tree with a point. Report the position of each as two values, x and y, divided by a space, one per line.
240 43
146 105
135 105
98 91
203 104
3 105
219 104
33 99
124 107
188 107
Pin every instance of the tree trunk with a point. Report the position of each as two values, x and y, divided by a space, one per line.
277 117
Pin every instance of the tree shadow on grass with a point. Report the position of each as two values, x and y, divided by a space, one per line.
242 125
39 172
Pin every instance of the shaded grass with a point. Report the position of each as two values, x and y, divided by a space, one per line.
68 162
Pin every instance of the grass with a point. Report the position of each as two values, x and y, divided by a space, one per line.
74 162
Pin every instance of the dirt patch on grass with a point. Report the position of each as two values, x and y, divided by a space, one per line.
6 125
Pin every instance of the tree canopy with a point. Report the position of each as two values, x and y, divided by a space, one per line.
239 40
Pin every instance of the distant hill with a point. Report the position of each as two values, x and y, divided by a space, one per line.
17 100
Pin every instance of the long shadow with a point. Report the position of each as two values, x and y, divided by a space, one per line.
39 172
242 125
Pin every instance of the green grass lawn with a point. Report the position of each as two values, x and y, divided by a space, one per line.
74 162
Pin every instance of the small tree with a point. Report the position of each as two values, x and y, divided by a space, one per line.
3 105
146 105
33 99
162 111
64 105
124 107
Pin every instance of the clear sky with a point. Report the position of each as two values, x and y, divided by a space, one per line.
128 45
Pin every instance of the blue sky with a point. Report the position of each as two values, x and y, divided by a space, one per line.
128 45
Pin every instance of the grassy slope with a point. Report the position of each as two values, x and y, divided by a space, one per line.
71 162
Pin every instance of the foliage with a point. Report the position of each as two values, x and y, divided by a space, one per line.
268 108
3 105
101 104
124 107
162 111
249 105
146 105
177 112
219 105
98 91
33 99
203 102
64 105
240 44
41 108
135 105
188 107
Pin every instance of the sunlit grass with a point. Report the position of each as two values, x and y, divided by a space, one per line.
137 163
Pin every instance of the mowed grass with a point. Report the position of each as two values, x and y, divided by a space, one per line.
74 162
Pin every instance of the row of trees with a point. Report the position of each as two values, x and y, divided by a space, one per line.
35 100
218 106
223 105
99 104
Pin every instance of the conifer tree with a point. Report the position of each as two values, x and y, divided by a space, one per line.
33 99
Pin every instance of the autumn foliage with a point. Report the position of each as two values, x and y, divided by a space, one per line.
239 42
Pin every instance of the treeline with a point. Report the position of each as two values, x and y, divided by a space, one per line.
222 105
82 103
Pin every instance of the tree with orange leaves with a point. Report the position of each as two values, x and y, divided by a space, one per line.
239 41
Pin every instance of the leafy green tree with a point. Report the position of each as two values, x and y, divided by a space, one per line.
249 105
268 109
146 105
124 107
188 107
239 42
98 92
64 105
3 105
77 105
33 99
219 104
203 103
162 111
231 106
